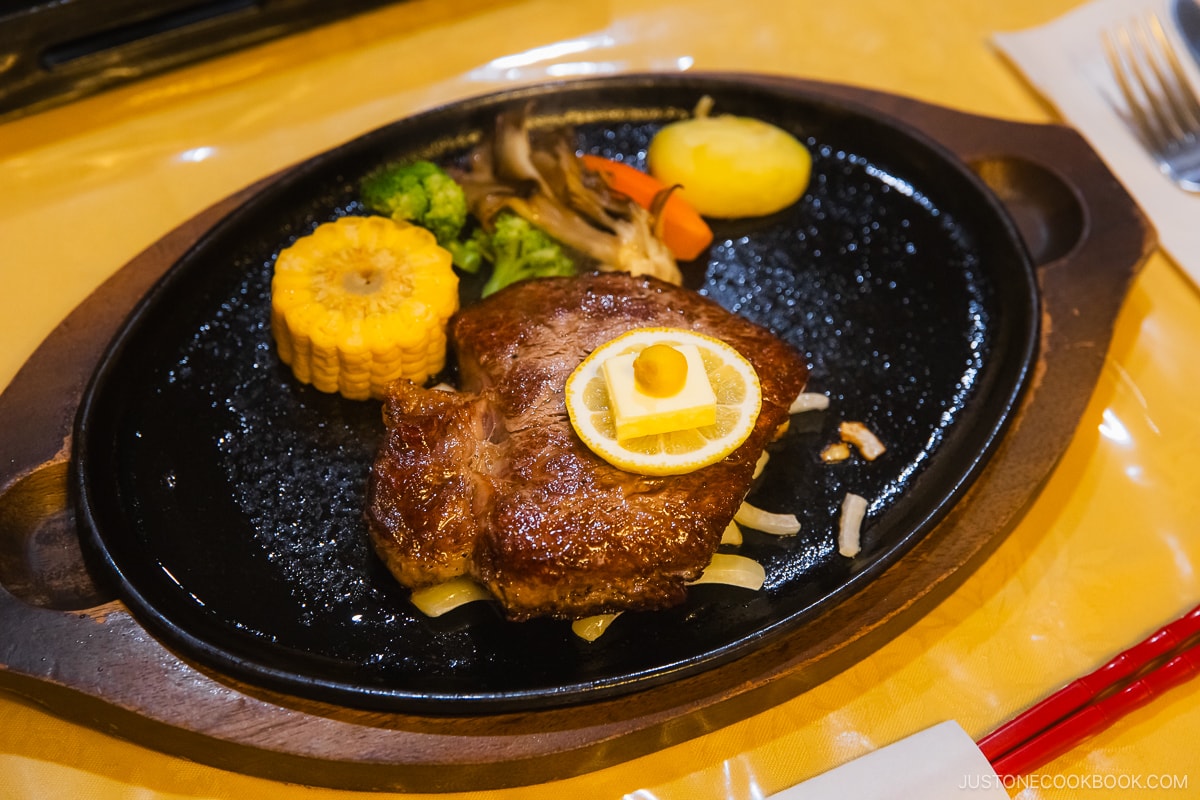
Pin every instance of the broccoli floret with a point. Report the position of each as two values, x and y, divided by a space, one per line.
420 192
469 254
519 250
424 194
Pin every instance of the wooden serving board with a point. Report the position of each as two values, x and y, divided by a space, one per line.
70 646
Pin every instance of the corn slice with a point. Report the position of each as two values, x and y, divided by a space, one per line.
361 302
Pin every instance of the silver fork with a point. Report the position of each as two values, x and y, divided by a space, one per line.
1160 106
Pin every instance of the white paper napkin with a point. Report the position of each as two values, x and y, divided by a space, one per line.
1065 61
939 762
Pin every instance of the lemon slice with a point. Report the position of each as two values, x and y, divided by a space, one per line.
734 382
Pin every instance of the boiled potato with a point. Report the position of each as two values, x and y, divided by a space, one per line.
729 167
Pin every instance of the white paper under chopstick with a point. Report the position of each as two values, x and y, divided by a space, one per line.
939 762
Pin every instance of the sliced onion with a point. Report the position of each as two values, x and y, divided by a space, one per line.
854 510
809 401
863 438
761 464
433 601
442 387
590 628
732 534
767 522
733 570
835 452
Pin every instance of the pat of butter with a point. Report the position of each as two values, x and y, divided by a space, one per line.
639 414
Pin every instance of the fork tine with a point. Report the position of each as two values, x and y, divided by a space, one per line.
1154 82
1118 48
1183 100
1160 103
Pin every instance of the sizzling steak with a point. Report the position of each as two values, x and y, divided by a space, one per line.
493 482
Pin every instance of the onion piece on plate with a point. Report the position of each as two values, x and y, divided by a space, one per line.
854 510
433 601
835 452
733 570
766 521
590 628
809 401
863 438
761 464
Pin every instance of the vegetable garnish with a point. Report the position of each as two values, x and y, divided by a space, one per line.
809 401
834 452
683 229
761 465
538 176
854 510
729 166
436 600
732 535
725 568
733 570
591 628
734 383
767 521
361 302
518 251
424 194
863 438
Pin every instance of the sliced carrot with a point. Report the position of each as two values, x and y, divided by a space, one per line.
684 230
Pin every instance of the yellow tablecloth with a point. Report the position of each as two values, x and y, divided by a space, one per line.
1108 552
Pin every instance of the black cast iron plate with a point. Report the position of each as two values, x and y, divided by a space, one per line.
224 500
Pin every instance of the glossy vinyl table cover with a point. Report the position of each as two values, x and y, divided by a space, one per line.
226 499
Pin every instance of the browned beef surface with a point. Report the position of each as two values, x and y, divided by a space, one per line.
492 481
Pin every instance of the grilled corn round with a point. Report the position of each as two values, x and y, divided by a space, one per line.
361 302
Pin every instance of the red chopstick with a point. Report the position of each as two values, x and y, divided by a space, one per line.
1091 703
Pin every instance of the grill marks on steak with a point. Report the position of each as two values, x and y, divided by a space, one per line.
492 481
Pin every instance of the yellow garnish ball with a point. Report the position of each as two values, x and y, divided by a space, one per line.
361 302
660 370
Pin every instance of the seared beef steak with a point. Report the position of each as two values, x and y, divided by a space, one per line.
493 482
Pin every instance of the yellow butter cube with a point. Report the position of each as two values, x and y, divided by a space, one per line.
639 414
